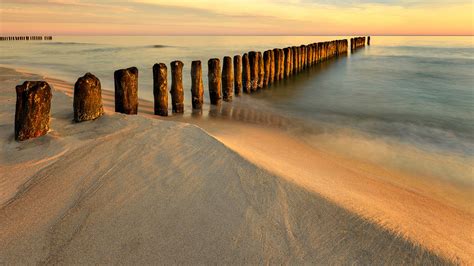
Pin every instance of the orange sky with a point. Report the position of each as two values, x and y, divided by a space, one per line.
260 17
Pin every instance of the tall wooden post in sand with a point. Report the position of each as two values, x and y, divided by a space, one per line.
246 83
126 91
237 75
227 79
214 80
177 92
160 89
197 89
87 98
33 105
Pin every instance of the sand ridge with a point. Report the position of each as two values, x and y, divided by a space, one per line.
129 189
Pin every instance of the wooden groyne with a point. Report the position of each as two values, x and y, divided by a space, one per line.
359 42
26 38
249 73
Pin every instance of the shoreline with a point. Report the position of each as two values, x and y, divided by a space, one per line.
398 207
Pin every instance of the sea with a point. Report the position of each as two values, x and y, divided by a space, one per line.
405 102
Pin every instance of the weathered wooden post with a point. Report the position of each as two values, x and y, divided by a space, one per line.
197 88
253 59
160 89
177 92
287 53
267 68
126 91
261 70
214 80
246 83
237 75
309 55
227 79
282 64
272 66
87 102
303 47
33 105
277 64
294 64
368 40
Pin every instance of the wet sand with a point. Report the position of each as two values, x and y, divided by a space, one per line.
156 190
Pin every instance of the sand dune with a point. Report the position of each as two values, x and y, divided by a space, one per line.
129 189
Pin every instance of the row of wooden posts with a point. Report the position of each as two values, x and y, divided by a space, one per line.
26 38
247 73
358 42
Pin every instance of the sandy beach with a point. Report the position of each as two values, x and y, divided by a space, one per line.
143 189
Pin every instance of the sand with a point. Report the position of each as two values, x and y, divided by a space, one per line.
132 189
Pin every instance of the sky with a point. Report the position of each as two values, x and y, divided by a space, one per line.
237 17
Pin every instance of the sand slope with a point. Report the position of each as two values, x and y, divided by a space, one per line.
128 189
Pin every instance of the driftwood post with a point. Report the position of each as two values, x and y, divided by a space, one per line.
87 98
126 90
177 92
237 75
197 89
261 70
214 79
33 105
227 79
246 83
160 89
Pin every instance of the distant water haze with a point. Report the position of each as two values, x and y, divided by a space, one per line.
404 102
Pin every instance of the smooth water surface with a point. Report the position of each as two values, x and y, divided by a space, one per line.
403 101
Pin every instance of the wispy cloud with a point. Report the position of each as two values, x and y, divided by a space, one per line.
239 17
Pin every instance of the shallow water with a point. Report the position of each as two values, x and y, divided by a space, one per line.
404 102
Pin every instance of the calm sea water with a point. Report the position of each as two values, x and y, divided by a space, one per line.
404 101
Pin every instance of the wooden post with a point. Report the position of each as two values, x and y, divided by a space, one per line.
253 59
227 79
87 102
177 92
277 64
237 75
368 40
197 88
246 81
33 105
287 53
160 89
271 78
294 64
266 66
261 70
126 91
282 64
214 80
